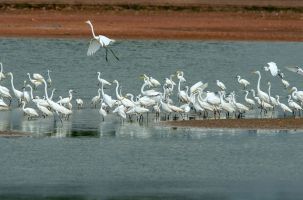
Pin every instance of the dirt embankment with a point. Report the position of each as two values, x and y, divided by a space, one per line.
279 124
168 19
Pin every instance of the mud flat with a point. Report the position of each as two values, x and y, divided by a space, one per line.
274 20
281 124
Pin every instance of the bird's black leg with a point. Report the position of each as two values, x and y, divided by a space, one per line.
106 54
113 54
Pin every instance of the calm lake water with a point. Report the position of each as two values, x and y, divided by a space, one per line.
84 158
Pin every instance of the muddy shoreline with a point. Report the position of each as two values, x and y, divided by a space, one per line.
206 21
251 124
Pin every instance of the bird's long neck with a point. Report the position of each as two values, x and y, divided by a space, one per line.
253 92
289 98
45 89
1 67
92 28
117 93
179 85
269 90
143 86
70 95
12 82
48 74
102 90
239 78
246 95
278 99
30 87
51 97
23 105
29 76
258 85
99 94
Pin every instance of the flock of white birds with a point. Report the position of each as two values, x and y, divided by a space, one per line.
154 96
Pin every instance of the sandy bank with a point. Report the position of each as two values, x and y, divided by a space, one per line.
137 21
280 124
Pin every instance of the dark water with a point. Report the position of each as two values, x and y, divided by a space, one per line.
84 158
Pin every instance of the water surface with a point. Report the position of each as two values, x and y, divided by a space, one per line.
85 158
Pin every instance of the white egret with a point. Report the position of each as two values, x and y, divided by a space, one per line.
285 83
250 102
182 95
102 112
262 95
180 76
272 67
99 41
296 69
18 94
79 103
101 80
36 83
2 75
29 111
37 76
26 96
55 106
296 95
126 102
283 106
68 99
273 101
221 85
154 82
96 99
45 111
243 82
226 106
293 105
149 93
49 80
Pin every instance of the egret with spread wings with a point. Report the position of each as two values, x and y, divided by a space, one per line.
99 41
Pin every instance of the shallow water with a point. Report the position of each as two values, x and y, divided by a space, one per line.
84 158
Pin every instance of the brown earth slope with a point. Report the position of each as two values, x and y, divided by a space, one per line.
168 19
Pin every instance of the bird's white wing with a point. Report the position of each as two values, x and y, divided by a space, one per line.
295 69
94 46
273 68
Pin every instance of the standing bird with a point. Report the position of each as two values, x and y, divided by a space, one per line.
49 80
99 41
242 81
29 111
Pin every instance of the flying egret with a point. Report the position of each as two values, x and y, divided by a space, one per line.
285 83
99 41
296 69
272 67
